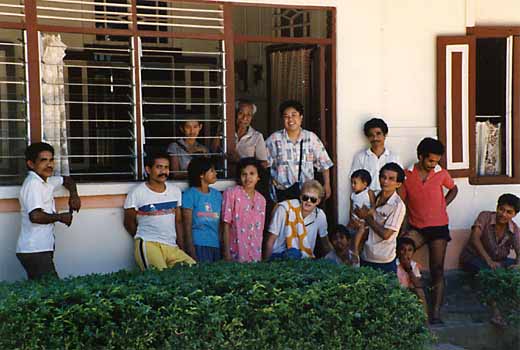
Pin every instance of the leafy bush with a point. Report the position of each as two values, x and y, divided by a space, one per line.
284 305
502 286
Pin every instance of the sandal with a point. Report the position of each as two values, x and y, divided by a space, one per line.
498 321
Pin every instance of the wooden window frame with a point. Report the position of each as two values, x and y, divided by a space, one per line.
30 24
472 34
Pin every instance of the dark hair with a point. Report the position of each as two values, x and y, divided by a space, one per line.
405 240
244 162
150 158
291 103
341 230
198 166
509 199
375 123
429 145
393 167
33 151
362 174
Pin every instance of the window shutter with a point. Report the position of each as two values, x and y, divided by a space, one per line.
456 102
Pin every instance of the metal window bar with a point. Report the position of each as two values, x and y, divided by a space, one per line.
81 2
184 52
179 9
87 80
143 15
183 69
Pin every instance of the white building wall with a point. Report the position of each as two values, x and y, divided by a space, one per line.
385 66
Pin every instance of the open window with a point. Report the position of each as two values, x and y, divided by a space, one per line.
478 94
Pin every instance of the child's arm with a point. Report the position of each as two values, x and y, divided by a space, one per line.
179 229
187 220
372 197
268 247
38 216
225 241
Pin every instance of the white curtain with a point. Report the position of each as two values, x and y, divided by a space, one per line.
53 96
489 148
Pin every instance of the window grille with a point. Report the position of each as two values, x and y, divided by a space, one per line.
14 121
98 86
111 14
293 23
184 82
12 11
179 16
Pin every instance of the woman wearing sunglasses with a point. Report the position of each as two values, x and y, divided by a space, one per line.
295 225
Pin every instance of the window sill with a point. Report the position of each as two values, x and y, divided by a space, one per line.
493 180
104 188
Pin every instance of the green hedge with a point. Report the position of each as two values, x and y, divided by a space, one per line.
285 305
502 286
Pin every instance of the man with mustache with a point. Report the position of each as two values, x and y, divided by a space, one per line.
423 193
35 247
373 158
153 217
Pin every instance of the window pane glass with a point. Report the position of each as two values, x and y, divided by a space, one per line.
183 88
88 105
12 11
281 22
13 106
110 14
180 16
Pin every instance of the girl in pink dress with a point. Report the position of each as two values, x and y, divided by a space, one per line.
243 214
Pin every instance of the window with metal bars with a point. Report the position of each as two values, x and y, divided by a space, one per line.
13 105
88 112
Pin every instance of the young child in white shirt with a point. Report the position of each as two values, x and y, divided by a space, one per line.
341 239
361 195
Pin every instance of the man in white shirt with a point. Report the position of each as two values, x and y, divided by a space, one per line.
153 217
35 246
373 158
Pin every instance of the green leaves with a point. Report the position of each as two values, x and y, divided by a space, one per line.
283 305
503 287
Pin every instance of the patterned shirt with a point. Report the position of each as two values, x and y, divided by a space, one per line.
497 250
283 156
246 218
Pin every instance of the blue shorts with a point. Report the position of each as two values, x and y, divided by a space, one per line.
476 263
207 254
289 254
390 267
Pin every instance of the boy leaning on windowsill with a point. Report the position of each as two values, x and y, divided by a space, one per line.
35 247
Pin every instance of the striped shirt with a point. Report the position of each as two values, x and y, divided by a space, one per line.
391 216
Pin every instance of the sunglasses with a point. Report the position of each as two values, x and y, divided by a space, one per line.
306 198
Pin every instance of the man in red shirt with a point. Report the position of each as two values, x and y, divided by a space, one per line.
423 193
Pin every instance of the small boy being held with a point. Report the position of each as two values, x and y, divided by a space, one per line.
408 272
341 239
361 195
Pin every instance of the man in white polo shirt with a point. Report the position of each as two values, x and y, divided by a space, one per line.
373 158
35 247
384 222
153 217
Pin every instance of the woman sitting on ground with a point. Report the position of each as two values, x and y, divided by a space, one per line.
493 235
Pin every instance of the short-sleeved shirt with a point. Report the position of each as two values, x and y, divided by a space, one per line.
246 217
283 156
252 144
315 223
497 250
333 256
206 208
366 159
176 149
425 200
404 277
37 193
390 215
155 212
